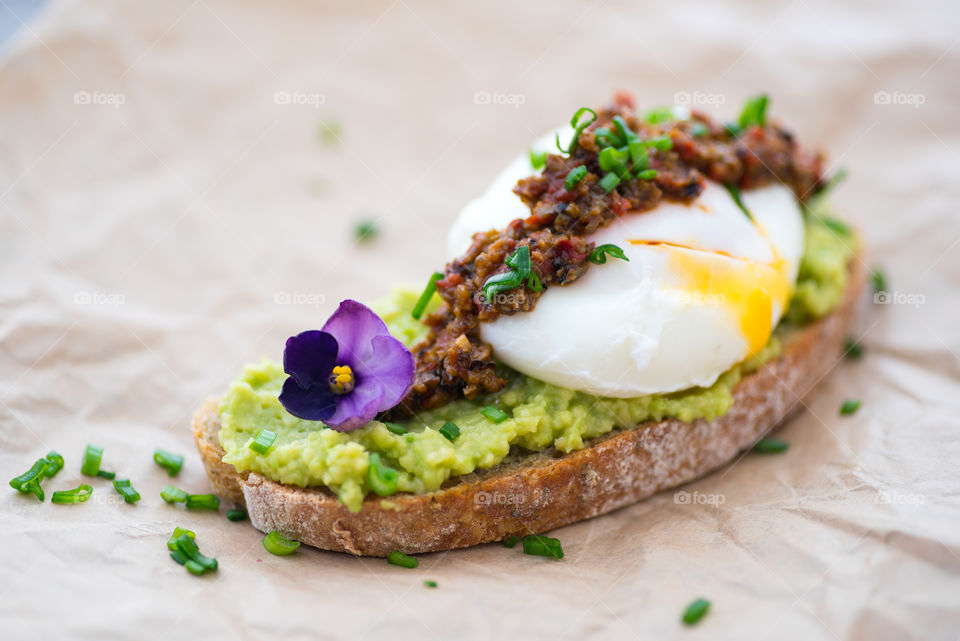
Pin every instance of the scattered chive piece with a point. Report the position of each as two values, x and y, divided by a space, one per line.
104 474
494 414
610 182
770 446
754 112
599 255
578 127
659 115
647 174
178 557
78 494
695 611
538 159
735 194
236 515
878 279
539 545
275 543
177 533
194 568
835 225
29 481
576 175
262 441
450 431
396 428
202 502
168 460
172 494
698 130
430 584
186 553
511 541
381 478
850 406
399 558
853 349
328 132
91 460
365 230
424 299
838 177
126 490
55 464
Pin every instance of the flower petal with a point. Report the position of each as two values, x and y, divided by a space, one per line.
353 326
309 357
316 403
392 365
357 408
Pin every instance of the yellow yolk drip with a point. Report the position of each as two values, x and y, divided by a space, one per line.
748 289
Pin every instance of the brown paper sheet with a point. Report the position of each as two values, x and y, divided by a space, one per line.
170 212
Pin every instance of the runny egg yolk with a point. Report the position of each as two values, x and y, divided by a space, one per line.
747 289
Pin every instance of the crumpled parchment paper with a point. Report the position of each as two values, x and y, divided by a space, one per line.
180 183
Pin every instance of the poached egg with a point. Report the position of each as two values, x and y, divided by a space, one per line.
703 289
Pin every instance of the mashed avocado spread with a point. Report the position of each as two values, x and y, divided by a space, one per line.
540 415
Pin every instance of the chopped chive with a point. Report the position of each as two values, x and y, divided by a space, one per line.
578 125
533 282
838 177
609 182
659 115
29 481
365 230
194 568
852 349
329 132
511 541
754 112
699 130
450 431
695 611
576 175
78 494
126 490
538 159
424 299
539 545
663 143
399 558
735 194
263 440
396 428
494 414
91 460
504 281
237 515
171 462
381 478
879 280
177 556
172 494
275 543
647 174
430 584
177 533
104 474
850 406
55 464
599 255
186 552
835 225
770 446
202 502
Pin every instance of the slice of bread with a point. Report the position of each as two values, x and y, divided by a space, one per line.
534 493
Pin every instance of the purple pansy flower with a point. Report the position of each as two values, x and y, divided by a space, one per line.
347 372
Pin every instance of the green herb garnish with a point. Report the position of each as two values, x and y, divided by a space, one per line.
770 446
576 175
578 124
381 478
511 541
177 533
450 431
104 474
29 481
599 255
171 462
405 561
186 552
236 515
203 502
395 428
55 464
329 132
276 543
262 442
609 182
735 194
850 406
424 299
754 112
538 159
659 115
78 494
520 271
852 349
172 494
539 545
494 414
878 279
430 584
91 460
126 490
365 230
695 611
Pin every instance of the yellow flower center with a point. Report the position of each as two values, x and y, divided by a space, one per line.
342 380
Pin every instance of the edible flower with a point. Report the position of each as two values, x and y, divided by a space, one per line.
347 372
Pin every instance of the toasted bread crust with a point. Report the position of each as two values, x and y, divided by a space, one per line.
539 492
